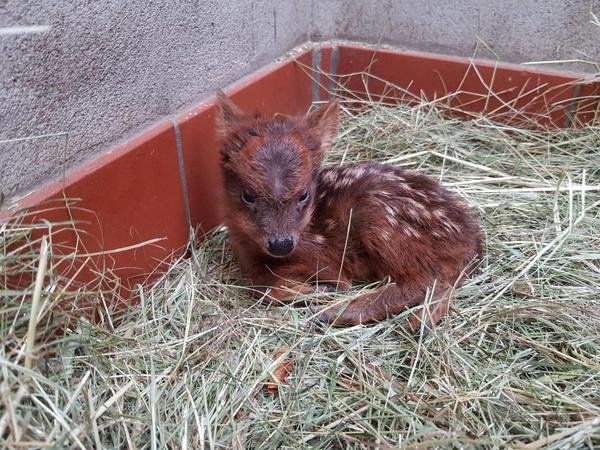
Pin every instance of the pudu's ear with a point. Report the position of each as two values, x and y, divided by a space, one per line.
228 115
323 122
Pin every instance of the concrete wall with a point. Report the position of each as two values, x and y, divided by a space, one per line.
108 67
509 30
105 69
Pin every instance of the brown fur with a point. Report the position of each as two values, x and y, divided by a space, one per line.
361 222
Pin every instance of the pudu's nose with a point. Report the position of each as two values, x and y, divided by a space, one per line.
280 246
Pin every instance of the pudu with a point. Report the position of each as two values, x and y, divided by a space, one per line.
296 226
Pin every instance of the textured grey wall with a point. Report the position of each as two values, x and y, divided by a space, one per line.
513 30
107 68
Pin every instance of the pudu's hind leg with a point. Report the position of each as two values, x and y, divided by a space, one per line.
386 302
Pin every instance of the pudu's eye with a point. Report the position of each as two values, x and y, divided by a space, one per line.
248 198
303 197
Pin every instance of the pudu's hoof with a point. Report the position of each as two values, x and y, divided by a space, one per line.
317 322
325 289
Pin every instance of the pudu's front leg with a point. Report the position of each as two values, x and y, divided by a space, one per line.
295 281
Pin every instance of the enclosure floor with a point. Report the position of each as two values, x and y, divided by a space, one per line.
198 364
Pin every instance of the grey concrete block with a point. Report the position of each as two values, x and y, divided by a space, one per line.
107 68
508 30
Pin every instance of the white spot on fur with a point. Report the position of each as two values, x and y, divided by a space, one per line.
439 214
318 238
391 215
345 182
411 232
389 177
414 203
412 212
386 235
384 194
376 170
330 177
451 226
416 209
356 172
330 224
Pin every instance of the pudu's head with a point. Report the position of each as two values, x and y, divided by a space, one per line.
270 168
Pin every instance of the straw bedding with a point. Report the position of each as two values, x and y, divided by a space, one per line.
197 364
